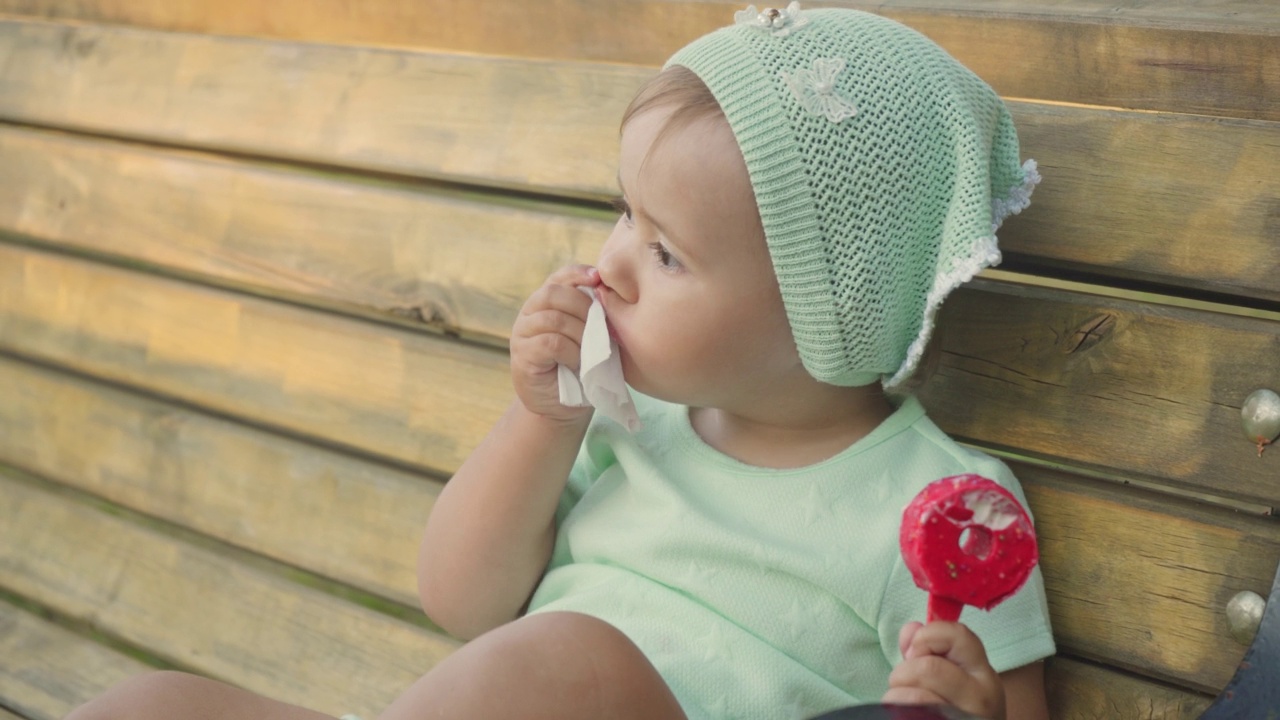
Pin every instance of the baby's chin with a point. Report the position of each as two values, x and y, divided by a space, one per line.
640 383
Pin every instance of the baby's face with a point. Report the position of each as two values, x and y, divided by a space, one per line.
689 287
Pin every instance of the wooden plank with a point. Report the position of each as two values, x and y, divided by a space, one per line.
458 263
58 660
1210 58
1135 387
46 670
1155 391
1130 196
310 507
1181 561
1141 196
206 610
413 397
65 671
1080 691
1142 581
491 120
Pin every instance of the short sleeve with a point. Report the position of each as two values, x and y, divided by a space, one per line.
593 457
581 476
1014 633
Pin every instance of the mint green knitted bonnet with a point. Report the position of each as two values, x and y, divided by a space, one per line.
881 166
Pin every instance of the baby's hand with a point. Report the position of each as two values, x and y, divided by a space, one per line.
549 331
945 663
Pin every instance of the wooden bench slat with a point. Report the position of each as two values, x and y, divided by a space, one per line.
460 264
205 610
1172 55
1006 378
362 524
1119 384
1142 196
1115 557
46 670
42 651
409 396
323 511
488 120
1080 691
1112 180
466 263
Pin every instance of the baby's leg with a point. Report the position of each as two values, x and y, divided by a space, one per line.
170 695
557 666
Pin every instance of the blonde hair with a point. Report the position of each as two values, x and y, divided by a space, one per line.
676 86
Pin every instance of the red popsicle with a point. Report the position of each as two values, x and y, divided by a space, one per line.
967 541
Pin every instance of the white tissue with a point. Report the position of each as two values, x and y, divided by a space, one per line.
599 383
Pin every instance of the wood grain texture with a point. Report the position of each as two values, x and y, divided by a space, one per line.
326 512
1155 393
339 517
203 609
1141 581
1209 58
453 262
1126 195
1080 691
1169 199
46 670
409 396
1134 387
489 120
1077 691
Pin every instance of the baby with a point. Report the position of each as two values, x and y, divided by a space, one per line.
800 192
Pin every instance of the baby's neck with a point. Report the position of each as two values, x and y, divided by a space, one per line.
795 433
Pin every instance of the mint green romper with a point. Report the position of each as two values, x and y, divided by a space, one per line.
762 593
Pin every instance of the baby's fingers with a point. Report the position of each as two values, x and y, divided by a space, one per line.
911 696
575 275
954 641
905 635
939 680
545 338
566 299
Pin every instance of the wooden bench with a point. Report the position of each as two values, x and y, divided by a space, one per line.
258 262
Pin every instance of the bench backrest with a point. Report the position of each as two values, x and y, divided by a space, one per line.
258 263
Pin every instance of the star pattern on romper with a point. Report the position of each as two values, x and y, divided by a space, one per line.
816 505
715 646
796 620
698 574
762 557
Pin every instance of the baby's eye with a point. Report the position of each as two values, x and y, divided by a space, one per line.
666 260
621 205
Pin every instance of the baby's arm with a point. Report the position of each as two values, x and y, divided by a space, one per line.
492 530
1024 692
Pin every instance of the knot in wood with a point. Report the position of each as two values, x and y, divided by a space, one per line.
1090 333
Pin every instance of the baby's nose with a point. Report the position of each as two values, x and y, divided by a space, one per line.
617 270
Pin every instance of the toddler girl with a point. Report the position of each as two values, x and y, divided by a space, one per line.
800 191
